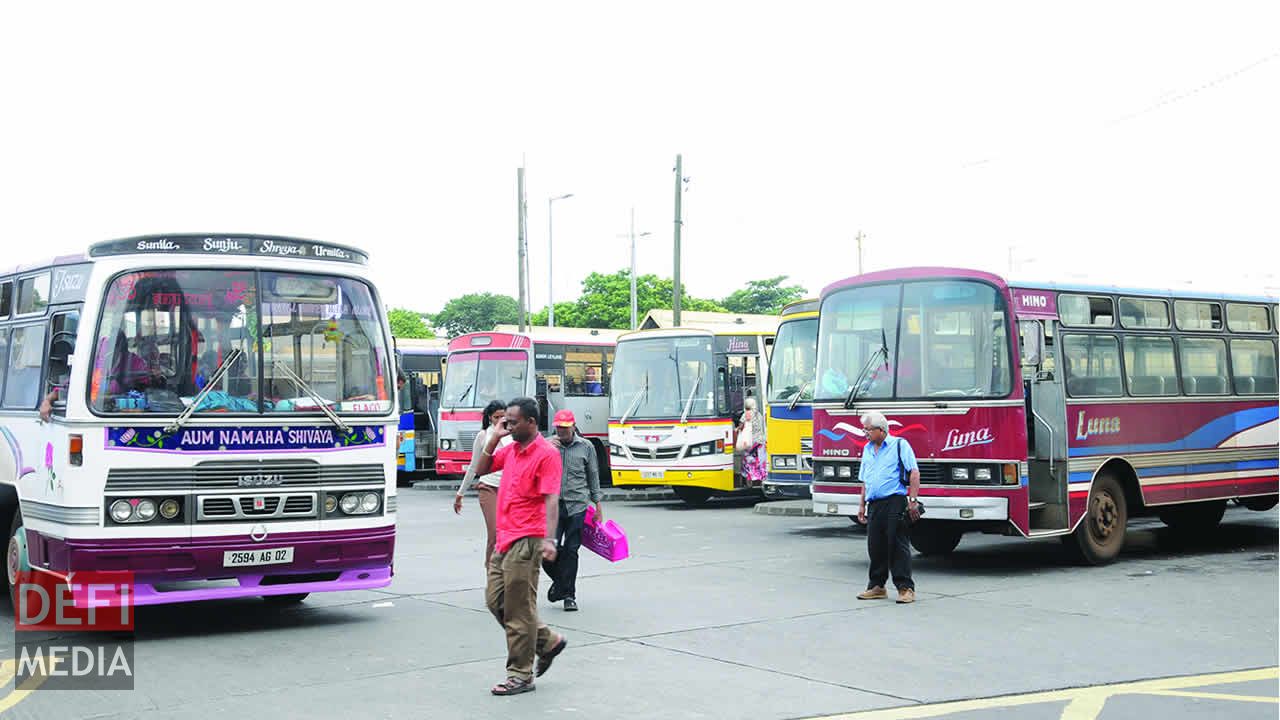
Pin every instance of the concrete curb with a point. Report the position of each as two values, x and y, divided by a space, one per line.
609 494
794 508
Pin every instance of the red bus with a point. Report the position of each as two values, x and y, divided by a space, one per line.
1049 410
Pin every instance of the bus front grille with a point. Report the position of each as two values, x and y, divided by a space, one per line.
243 474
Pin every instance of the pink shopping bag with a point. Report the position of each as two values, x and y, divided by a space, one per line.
607 540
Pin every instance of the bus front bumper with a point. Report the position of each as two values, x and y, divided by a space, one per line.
936 507
717 479
172 570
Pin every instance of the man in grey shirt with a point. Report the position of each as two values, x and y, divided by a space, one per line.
579 482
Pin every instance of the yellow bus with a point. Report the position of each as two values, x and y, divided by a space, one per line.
789 417
677 394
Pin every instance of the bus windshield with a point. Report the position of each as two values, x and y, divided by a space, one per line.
791 366
474 378
656 378
930 339
164 336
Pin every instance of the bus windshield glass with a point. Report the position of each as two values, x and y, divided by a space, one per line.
166 335
931 339
656 378
474 378
795 351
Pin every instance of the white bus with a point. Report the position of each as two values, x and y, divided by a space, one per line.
211 413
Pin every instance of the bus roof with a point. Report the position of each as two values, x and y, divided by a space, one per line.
569 335
800 309
41 265
914 273
716 322
422 346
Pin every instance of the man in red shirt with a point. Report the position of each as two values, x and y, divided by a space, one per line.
528 508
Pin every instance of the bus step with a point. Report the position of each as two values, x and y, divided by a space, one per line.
1036 505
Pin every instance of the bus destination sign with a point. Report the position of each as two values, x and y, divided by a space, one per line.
230 245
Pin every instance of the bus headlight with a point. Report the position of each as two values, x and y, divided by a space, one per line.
146 510
615 450
121 511
845 471
828 471
959 473
330 503
350 503
706 448
169 509
369 503
446 444
982 473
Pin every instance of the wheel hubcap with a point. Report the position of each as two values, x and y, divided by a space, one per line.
14 561
1104 515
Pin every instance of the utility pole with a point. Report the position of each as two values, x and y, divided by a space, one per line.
520 243
859 252
675 302
551 304
632 235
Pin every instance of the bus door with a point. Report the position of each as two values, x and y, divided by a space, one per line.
548 368
1042 384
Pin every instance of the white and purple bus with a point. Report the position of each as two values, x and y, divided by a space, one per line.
213 414
1049 410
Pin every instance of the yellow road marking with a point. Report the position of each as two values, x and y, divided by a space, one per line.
1216 696
8 668
1083 703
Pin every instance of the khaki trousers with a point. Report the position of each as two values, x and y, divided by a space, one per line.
512 596
489 509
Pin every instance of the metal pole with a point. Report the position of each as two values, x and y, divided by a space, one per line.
675 291
633 268
551 303
520 246
859 252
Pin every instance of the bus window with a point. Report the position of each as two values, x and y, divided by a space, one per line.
1204 366
584 371
6 299
4 356
1091 364
1247 318
62 343
1149 366
1144 313
33 294
1086 310
1193 315
26 359
1253 366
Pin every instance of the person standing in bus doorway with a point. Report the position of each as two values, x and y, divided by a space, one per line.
580 482
495 414
528 509
892 499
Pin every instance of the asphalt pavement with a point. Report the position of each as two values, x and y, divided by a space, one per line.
722 612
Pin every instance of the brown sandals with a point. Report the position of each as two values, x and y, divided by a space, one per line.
513 686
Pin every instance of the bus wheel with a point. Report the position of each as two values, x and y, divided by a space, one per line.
1195 517
283 600
692 496
932 539
1260 503
16 558
1100 535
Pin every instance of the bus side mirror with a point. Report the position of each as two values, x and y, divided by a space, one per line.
1032 343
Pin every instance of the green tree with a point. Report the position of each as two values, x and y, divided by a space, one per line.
605 301
408 324
476 311
763 297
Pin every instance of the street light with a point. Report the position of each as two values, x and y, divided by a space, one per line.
551 304
633 237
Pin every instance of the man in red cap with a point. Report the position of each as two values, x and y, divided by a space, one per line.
579 483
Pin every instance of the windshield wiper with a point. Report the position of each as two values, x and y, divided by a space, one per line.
636 403
324 406
857 385
799 394
688 404
460 396
221 370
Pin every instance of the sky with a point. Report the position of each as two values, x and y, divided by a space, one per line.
1113 143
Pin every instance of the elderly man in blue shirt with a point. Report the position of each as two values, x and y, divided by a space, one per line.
892 500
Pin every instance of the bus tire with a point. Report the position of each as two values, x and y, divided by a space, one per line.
933 539
1098 538
1194 517
692 496
1260 503
285 600
16 558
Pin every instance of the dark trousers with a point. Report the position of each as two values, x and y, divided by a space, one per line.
889 542
564 571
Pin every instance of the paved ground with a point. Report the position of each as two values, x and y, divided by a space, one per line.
726 613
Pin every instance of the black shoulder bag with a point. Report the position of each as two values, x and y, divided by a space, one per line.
906 482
